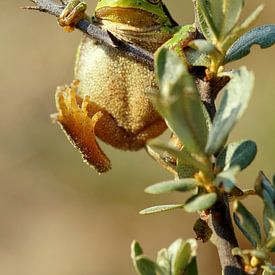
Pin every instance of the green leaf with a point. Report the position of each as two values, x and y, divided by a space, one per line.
247 223
145 266
239 154
192 268
181 254
227 178
203 46
240 30
160 208
205 19
183 156
234 102
231 14
163 261
263 184
200 202
269 268
270 245
264 36
179 101
181 185
136 249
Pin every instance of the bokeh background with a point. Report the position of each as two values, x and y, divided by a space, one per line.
57 216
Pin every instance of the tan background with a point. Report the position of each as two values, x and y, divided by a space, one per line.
57 216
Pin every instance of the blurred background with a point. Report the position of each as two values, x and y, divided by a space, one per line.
57 216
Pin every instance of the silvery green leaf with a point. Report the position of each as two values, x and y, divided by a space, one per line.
269 268
181 185
205 19
234 102
264 36
179 102
200 202
163 261
247 223
240 154
227 178
203 46
263 184
181 254
197 58
160 208
183 156
231 14
238 31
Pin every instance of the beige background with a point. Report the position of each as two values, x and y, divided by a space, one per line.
57 216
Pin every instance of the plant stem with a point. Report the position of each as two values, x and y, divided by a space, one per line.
218 218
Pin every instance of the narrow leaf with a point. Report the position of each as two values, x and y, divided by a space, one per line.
264 36
185 157
231 11
181 185
247 223
200 202
206 20
240 30
234 102
179 101
160 208
239 154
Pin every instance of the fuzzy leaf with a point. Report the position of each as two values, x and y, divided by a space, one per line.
181 185
227 178
231 14
203 46
234 102
238 31
264 36
163 261
247 223
183 156
205 19
239 154
200 202
179 101
160 208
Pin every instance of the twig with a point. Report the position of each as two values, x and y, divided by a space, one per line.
141 55
219 218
